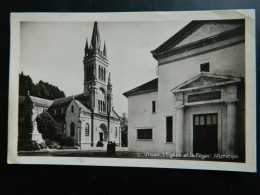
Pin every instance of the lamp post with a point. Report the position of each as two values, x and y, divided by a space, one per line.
92 94
119 129
79 133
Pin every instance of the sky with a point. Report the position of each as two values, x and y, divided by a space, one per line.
53 52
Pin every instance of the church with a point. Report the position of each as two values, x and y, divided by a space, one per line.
197 103
88 117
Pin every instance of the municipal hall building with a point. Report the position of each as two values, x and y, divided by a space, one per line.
197 103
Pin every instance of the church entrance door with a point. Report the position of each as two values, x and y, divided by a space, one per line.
101 137
104 132
205 133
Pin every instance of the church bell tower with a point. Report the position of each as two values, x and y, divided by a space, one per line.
96 72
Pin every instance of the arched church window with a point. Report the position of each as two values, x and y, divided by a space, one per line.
101 68
98 104
72 109
99 72
104 74
87 129
104 107
115 132
72 129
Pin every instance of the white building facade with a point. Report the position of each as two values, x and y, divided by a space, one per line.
89 118
196 105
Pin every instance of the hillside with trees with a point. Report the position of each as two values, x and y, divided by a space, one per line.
40 89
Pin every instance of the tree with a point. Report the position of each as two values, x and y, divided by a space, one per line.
25 126
124 127
41 89
25 84
48 127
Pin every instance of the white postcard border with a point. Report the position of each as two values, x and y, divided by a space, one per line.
250 71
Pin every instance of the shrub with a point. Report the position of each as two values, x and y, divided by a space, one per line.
35 146
25 125
99 144
66 141
42 145
49 142
59 137
47 126
28 146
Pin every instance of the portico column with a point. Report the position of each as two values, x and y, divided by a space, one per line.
179 128
231 126
179 116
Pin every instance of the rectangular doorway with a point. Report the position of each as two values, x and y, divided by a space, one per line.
205 133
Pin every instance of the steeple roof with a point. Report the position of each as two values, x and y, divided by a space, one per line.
94 47
105 50
95 41
86 47
109 81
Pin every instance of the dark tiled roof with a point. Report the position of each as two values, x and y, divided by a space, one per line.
147 87
63 100
114 114
41 102
83 107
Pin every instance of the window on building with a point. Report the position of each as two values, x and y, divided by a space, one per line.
54 111
144 134
104 108
61 110
101 106
204 67
72 129
103 74
169 129
153 106
115 132
72 109
99 72
87 129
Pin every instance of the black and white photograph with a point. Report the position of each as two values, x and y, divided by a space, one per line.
161 89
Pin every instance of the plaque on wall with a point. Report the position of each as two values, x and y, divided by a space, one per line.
204 96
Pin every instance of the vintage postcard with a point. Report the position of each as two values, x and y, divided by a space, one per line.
154 89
